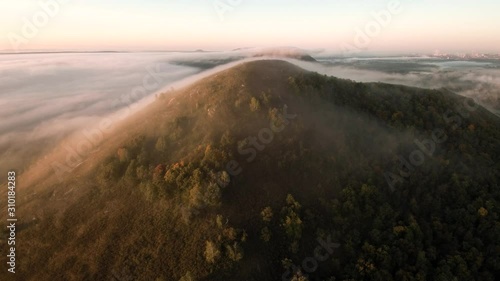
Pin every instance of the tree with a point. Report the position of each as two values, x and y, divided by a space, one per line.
187 277
195 196
254 104
219 221
230 233
161 144
131 172
141 172
267 214
292 203
292 223
158 173
212 195
234 252
265 234
202 197
482 212
227 139
266 97
123 154
212 253
276 117
109 171
299 277
223 179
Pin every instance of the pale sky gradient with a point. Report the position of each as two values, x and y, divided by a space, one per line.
421 26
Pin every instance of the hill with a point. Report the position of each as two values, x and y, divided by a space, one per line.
266 172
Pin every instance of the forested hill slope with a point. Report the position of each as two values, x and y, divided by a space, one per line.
268 172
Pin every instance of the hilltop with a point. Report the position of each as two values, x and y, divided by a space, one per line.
244 174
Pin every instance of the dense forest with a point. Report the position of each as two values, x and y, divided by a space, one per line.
268 172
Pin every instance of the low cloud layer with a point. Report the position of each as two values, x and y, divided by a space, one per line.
478 80
45 97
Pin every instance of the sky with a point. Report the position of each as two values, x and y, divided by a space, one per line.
368 25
